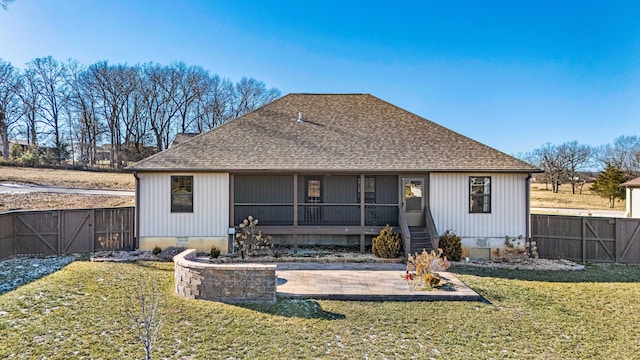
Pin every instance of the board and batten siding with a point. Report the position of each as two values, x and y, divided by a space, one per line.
633 203
449 202
207 225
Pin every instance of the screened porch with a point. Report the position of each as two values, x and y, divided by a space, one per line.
316 200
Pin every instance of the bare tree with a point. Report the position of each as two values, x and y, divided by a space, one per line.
144 313
191 83
553 160
29 94
215 105
159 86
577 157
250 94
9 106
129 107
114 85
83 105
51 75
624 154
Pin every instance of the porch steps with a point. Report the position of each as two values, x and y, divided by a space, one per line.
419 239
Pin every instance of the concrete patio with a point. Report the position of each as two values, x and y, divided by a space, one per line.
360 282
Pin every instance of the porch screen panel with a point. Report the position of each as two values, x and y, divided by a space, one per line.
385 209
268 198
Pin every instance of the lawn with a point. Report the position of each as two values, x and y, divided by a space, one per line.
77 312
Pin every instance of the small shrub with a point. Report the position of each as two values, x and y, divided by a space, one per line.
451 245
215 252
387 245
156 250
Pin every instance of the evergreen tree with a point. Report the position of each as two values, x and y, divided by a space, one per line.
608 182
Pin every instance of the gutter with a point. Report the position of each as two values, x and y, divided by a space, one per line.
527 197
137 210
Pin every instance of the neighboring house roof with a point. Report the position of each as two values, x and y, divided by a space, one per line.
634 183
16 141
339 132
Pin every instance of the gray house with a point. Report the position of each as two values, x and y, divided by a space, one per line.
332 169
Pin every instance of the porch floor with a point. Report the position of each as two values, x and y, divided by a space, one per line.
360 282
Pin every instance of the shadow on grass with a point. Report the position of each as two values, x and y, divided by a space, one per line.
155 265
296 308
601 273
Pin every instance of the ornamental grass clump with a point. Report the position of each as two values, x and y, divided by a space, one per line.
250 240
516 249
423 269
387 245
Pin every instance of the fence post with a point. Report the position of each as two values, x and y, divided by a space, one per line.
13 234
615 240
584 240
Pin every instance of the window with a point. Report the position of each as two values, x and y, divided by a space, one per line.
369 190
480 194
313 191
182 194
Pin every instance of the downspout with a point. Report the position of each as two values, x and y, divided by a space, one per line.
527 197
136 243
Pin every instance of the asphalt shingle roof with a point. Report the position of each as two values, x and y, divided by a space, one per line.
339 132
633 183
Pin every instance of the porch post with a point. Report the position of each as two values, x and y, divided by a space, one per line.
362 214
295 213
231 201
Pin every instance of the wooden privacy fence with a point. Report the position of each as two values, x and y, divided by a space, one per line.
592 239
60 232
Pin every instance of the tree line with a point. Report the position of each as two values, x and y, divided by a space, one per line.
136 110
566 163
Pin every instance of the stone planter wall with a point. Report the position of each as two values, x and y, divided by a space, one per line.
230 283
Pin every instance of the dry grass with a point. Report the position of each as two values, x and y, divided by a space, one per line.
68 178
540 197
48 201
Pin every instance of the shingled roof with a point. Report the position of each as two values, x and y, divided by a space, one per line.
338 132
633 183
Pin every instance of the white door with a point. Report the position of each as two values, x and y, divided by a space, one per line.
413 200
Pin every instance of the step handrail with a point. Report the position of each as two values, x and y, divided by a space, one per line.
431 228
404 230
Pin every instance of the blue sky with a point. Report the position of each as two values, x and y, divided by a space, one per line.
511 74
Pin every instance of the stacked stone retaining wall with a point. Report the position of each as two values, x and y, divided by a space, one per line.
230 283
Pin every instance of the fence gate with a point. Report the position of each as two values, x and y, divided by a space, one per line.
628 232
77 235
36 233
